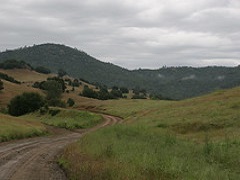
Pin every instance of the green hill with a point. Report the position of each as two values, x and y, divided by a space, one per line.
172 82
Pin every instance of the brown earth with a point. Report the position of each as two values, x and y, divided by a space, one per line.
36 158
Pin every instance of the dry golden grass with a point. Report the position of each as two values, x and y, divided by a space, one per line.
26 75
10 90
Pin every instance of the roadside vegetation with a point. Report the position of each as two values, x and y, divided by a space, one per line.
68 119
193 139
17 128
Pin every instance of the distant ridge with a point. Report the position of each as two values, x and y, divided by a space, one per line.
172 82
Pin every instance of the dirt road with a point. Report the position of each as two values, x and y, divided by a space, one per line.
35 158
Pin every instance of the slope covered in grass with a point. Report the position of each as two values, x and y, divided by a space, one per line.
17 128
69 119
193 139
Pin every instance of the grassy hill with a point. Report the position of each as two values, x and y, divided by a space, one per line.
17 128
172 82
197 138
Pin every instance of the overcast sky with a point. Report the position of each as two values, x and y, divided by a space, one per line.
129 33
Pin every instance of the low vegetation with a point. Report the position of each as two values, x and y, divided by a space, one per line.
25 103
1 85
192 139
69 119
17 128
168 82
43 70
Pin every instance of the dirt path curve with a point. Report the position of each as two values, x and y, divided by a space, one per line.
35 158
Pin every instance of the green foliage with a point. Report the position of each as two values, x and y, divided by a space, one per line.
102 94
60 81
87 92
76 83
42 70
8 78
69 119
70 102
124 90
172 82
61 73
137 152
17 128
12 64
1 85
54 112
25 103
53 89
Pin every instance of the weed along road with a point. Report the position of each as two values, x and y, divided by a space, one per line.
35 158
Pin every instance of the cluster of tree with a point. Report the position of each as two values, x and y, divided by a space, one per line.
12 64
74 83
103 93
8 78
51 80
25 103
172 82
15 64
1 85
61 73
139 93
30 101
54 87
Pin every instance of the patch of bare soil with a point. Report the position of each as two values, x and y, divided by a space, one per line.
35 158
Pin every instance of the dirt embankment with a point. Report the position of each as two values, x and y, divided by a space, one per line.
35 158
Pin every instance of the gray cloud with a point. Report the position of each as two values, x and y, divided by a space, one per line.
132 34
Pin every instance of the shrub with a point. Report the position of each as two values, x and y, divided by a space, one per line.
70 102
25 103
43 70
1 85
54 112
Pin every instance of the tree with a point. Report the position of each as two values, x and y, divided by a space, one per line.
61 73
70 102
1 85
43 70
25 103
124 90
53 89
87 92
60 81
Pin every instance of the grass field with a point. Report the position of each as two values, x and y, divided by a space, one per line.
192 139
69 119
17 128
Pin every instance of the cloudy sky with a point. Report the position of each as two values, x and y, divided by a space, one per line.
129 33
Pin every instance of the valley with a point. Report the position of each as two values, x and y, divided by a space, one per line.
112 136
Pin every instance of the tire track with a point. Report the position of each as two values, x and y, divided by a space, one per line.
35 159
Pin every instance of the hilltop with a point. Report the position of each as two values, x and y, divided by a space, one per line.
169 82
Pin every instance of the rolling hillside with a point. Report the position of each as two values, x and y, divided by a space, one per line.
170 82
198 138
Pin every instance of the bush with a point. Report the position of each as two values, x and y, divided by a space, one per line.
25 103
1 85
54 112
70 102
43 70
